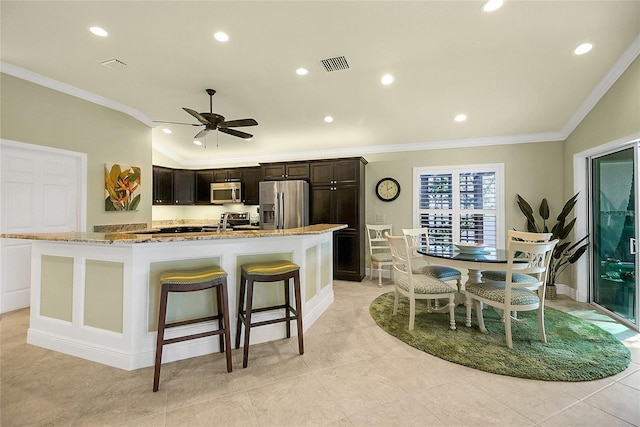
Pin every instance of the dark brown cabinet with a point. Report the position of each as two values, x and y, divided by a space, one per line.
337 197
183 186
204 178
251 178
162 186
226 175
285 171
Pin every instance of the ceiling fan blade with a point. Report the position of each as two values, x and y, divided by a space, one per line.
197 115
238 123
177 123
200 134
237 133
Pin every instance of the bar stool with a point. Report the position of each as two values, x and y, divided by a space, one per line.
192 281
268 272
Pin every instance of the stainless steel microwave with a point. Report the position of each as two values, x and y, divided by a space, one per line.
226 192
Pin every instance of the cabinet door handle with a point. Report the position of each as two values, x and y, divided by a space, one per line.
633 248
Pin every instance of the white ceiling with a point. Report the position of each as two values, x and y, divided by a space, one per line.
511 71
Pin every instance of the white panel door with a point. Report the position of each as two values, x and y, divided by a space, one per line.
40 192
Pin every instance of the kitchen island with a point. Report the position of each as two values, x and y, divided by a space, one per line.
96 295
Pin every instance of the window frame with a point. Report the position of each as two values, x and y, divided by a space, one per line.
456 170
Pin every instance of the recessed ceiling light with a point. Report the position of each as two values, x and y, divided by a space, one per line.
99 31
583 48
166 130
221 36
491 5
387 79
302 71
195 141
328 119
460 118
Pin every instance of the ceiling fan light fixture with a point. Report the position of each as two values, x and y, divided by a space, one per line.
221 36
99 31
195 141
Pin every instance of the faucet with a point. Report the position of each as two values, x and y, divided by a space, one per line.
225 217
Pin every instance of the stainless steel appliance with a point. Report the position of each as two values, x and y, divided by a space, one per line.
229 221
284 204
226 192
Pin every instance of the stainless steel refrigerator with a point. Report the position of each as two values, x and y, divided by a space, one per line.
284 204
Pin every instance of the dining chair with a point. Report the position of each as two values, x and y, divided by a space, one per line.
417 286
418 238
510 296
525 280
379 251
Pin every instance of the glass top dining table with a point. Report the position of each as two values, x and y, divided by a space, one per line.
474 262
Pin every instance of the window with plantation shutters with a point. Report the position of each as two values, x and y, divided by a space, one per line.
460 204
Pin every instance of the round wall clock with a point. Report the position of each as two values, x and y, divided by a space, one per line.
387 189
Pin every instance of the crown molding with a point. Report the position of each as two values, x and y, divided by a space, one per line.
50 83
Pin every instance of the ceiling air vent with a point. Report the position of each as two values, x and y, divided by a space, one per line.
113 63
335 64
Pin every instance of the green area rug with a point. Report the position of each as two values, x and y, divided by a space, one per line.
576 350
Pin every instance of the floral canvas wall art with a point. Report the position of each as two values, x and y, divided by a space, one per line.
120 186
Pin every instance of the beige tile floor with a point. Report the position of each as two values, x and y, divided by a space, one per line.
352 374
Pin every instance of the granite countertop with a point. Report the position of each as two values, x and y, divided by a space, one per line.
132 237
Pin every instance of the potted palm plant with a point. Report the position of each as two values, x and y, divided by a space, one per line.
565 252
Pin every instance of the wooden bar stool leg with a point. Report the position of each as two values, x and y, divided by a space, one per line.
287 303
296 287
162 314
225 320
247 328
220 310
241 305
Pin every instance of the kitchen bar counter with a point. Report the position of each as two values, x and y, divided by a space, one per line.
146 237
96 295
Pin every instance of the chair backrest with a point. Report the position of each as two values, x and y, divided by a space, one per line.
399 255
376 236
525 236
416 238
538 256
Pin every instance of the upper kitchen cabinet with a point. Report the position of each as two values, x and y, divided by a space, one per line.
204 178
285 171
183 186
162 186
340 171
226 175
251 178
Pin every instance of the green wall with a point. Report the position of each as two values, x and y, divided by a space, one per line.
34 114
532 170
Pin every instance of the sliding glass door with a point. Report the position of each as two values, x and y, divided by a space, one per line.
614 248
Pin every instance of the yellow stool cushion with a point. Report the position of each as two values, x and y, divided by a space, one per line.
269 268
189 277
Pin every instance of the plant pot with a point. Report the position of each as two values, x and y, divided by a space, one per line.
551 292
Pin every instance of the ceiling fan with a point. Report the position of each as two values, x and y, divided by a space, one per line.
213 121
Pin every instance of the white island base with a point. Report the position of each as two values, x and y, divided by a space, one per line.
97 297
